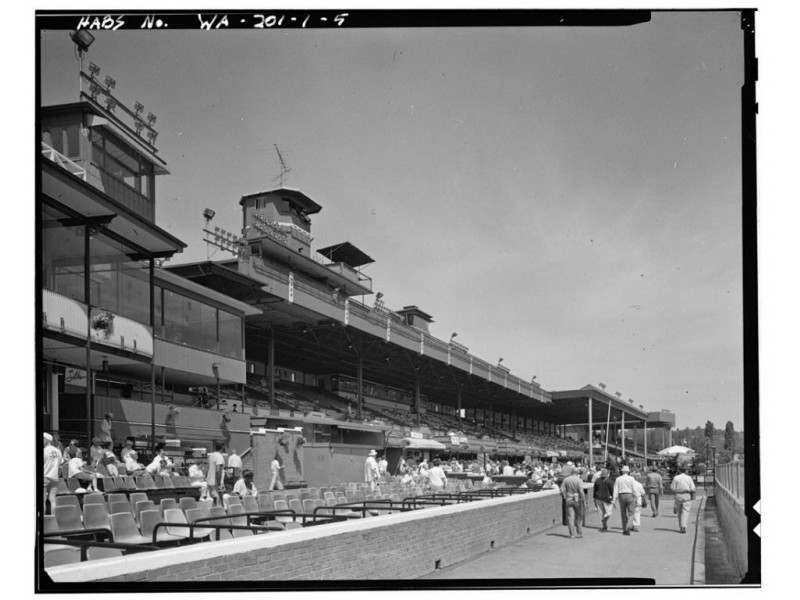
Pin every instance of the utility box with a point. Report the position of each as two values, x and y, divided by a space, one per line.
287 446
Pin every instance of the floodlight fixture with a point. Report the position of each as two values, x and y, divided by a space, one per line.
618 395
533 378
94 69
208 214
602 385
151 137
452 335
111 83
379 295
151 119
138 107
94 90
111 103
82 39
139 126
499 361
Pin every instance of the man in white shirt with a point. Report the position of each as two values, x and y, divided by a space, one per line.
132 464
437 477
52 468
78 470
161 464
684 489
216 466
626 492
235 464
275 466
371 472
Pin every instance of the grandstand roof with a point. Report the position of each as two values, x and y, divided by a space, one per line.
346 253
80 199
572 407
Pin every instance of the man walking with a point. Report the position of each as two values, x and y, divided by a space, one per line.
572 492
52 470
654 485
371 473
684 489
626 492
603 495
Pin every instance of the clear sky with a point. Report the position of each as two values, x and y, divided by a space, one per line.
566 199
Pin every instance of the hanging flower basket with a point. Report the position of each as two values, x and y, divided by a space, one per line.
283 441
300 441
104 321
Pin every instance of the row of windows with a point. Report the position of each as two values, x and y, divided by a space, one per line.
119 281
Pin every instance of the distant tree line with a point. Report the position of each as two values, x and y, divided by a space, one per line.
727 441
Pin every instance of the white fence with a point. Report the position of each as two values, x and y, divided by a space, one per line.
731 477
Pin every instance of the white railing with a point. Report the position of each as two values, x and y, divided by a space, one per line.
63 314
730 477
61 160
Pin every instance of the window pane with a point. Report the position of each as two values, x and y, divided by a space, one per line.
187 321
119 283
62 255
230 334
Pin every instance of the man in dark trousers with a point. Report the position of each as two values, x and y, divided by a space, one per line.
603 495
572 492
655 487
628 495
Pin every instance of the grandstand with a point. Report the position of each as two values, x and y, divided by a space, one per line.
269 345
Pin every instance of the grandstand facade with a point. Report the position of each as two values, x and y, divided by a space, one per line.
277 336
118 334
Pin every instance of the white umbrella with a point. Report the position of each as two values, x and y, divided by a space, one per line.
675 450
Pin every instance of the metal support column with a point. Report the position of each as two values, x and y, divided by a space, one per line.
417 397
644 426
591 434
271 367
458 390
87 299
360 394
152 407
622 437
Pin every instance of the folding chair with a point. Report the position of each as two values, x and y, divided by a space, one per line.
140 507
120 507
199 532
99 552
169 503
64 555
187 503
68 517
95 516
125 530
175 515
68 500
224 534
149 519
236 513
250 504
94 498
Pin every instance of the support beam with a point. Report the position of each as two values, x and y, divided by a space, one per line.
271 367
644 425
417 397
152 406
591 434
360 387
623 435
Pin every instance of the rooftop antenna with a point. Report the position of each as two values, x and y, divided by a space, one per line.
285 169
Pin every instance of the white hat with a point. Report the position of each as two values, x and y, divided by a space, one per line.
373 453
48 437
625 469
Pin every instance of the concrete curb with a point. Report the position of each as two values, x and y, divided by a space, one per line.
699 550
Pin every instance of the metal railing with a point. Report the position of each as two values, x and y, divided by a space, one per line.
54 155
730 477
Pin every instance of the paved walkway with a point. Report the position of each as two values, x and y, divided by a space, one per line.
657 552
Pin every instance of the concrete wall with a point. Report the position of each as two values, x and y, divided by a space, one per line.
399 546
730 512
